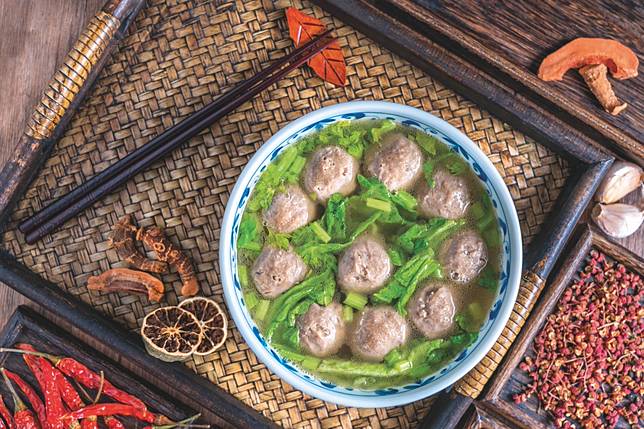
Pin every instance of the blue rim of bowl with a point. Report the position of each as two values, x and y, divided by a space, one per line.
511 262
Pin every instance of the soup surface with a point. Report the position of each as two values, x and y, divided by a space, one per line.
369 254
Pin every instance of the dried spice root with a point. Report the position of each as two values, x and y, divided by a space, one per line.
596 78
122 240
126 280
155 239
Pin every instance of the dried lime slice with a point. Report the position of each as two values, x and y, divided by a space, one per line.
171 333
213 322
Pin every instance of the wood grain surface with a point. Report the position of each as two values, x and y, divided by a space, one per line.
35 35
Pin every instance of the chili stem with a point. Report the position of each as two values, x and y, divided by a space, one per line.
17 402
52 358
100 388
186 423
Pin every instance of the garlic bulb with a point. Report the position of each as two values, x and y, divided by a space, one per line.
618 220
622 179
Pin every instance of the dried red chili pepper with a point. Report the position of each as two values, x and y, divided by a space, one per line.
5 414
113 423
22 416
115 409
79 372
47 377
31 395
90 423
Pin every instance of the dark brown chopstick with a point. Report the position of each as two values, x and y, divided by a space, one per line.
86 194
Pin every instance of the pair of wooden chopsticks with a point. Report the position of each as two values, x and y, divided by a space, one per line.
71 204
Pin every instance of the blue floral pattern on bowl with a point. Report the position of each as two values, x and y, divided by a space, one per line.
510 268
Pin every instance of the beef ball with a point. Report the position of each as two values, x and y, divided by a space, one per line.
463 256
277 270
322 330
365 266
290 210
397 163
377 331
330 170
432 309
449 197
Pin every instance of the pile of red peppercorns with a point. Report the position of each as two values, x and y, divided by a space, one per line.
587 366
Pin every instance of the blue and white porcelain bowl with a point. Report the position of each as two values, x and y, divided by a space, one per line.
511 260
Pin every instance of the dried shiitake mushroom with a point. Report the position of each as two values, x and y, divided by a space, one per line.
171 333
213 322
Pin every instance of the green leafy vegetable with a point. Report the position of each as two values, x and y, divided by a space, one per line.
427 143
261 309
489 279
277 240
320 232
317 286
405 200
395 257
420 237
272 179
471 319
292 337
378 132
389 293
346 136
334 218
301 308
250 233
251 299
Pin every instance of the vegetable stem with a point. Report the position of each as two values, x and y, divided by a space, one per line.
356 300
383 206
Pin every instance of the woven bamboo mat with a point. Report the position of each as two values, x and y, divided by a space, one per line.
179 55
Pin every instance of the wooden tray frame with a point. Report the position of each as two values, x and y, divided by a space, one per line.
589 162
25 325
496 411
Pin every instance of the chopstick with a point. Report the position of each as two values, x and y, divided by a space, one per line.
61 210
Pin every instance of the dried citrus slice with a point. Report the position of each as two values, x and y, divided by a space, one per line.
171 333
213 322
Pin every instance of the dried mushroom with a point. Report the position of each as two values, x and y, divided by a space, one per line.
620 60
595 77
126 280
593 58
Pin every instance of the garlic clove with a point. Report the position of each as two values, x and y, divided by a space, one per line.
622 179
618 220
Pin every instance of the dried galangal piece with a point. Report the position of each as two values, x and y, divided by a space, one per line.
166 251
122 239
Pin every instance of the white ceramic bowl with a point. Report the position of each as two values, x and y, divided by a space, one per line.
511 260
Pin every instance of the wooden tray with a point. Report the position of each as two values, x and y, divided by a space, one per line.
496 406
490 52
25 326
181 54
